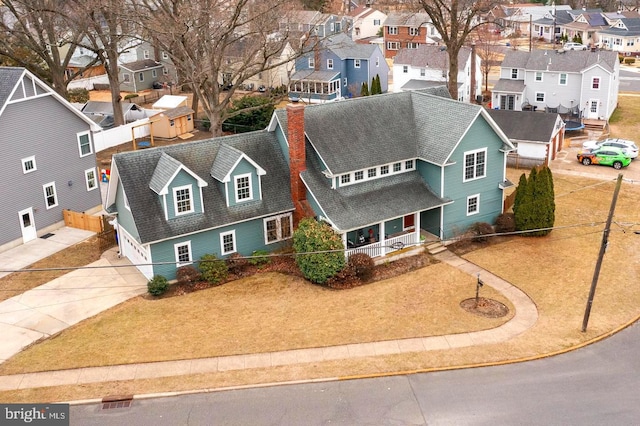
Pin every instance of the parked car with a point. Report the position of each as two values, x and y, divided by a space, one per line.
629 147
574 46
609 156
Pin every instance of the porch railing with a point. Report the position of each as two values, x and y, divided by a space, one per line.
387 246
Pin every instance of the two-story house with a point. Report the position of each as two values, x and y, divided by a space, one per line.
428 66
391 167
367 22
623 33
141 65
316 23
48 163
583 83
336 67
407 31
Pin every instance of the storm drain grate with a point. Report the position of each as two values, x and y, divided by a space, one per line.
47 235
117 401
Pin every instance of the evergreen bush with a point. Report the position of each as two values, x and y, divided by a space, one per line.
534 205
157 285
213 269
312 237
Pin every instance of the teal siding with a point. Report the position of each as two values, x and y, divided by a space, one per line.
314 206
431 175
125 218
456 221
182 179
393 226
282 142
430 221
242 168
249 237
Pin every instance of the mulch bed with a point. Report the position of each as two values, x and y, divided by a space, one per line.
484 307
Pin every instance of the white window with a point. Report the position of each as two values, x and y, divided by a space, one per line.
84 144
141 76
244 191
473 204
405 69
408 165
356 63
29 164
377 62
331 27
538 76
376 22
228 242
384 170
392 31
277 228
154 73
145 53
183 254
91 178
312 62
514 73
475 164
414 31
344 82
423 72
126 77
165 71
359 175
182 200
397 167
50 196
393 45
165 55
563 79
330 64
412 45
371 173
595 83
345 179
539 97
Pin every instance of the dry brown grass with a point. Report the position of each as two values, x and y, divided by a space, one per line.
78 255
624 121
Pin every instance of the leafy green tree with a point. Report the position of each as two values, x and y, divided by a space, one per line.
249 113
312 237
365 89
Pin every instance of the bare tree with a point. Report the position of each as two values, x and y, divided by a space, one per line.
37 36
216 45
488 50
454 20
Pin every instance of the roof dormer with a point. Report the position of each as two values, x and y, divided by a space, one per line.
239 174
179 188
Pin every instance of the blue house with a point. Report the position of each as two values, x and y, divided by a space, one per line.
381 170
336 67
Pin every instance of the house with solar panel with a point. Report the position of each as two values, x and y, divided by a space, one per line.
383 171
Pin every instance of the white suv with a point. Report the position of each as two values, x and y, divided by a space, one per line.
574 46
628 147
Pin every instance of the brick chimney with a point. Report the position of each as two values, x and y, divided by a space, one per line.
297 160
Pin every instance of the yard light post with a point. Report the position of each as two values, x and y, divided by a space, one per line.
478 285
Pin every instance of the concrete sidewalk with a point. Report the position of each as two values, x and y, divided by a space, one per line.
525 317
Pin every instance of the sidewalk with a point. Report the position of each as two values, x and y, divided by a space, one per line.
525 317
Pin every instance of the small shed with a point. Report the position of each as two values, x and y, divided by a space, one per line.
170 101
172 123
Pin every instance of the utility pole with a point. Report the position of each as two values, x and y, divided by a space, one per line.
603 248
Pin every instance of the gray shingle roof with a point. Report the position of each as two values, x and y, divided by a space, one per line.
314 75
172 113
428 56
141 65
136 169
506 85
165 169
226 158
524 125
398 19
566 61
9 77
345 48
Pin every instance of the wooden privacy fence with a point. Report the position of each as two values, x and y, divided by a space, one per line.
85 221
509 200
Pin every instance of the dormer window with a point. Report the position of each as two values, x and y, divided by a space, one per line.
514 73
243 188
183 201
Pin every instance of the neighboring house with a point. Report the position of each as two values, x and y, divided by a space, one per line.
537 136
583 83
428 66
623 33
102 112
421 163
276 75
551 22
141 51
315 23
584 26
367 22
407 31
139 75
335 68
172 123
519 18
48 163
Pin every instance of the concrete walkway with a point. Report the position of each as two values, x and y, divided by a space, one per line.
525 317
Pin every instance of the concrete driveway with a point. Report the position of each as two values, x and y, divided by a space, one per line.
566 162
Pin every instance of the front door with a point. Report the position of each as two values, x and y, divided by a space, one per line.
409 222
593 109
27 225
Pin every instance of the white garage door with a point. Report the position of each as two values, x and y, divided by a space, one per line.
136 253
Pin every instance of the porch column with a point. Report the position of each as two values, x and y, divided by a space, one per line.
417 222
383 239
344 244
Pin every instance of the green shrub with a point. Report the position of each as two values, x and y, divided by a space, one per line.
480 230
505 223
131 96
362 264
213 270
157 285
188 274
312 237
260 258
78 95
534 206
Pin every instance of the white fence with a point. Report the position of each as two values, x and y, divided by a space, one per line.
121 134
387 246
87 83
